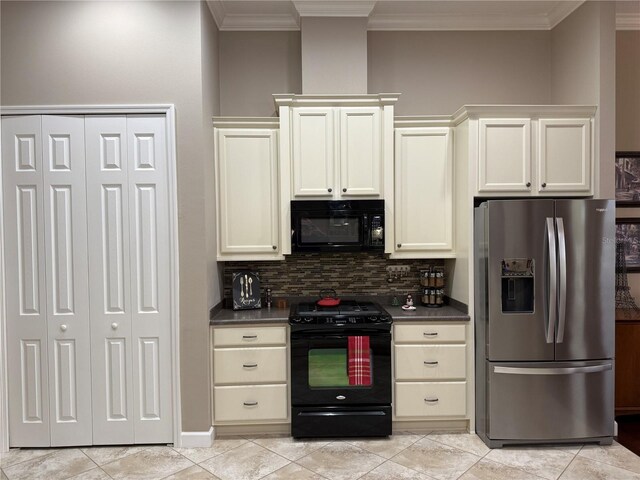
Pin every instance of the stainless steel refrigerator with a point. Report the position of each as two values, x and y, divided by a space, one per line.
544 321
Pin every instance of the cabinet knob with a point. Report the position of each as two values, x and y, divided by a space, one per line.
63 327
274 247
329 190
544 185
344 189
528 184
399 245
114 326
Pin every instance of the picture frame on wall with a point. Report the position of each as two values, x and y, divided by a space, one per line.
628 231
627 179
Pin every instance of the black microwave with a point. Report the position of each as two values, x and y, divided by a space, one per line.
337 225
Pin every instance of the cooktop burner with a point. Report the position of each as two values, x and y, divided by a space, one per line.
347 312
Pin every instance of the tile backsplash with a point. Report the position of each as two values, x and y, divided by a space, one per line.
349 274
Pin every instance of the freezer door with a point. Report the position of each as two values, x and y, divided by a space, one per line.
520 230
550 401
586 279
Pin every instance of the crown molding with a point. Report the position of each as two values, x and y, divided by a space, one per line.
340 100
216 7
560 11
627 21
279 22
333 8
444 22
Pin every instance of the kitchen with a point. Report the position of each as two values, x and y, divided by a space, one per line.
206 73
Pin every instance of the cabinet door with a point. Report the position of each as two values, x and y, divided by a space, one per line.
247 169
360 151
150 289
564 155
109 270
26 296
313 152
65 222
504 162
627 367
424 190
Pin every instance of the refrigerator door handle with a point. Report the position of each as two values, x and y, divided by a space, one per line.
553 287
552 371
562 261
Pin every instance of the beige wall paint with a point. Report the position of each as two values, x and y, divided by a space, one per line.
255 65
118 53
583 72
210 108
628 91
438 72
334 55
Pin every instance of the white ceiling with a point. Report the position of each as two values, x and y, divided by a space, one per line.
411 15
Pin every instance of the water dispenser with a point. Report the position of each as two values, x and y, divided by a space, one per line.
517 285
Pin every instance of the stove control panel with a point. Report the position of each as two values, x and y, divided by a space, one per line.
339 319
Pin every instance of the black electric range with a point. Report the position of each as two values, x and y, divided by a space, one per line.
325 399
349 313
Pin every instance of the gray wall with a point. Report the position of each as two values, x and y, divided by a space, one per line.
438 72
334 55
628 90
583 72
255 65
129 52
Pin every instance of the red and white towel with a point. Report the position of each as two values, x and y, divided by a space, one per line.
359 361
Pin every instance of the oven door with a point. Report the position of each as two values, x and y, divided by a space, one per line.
320 373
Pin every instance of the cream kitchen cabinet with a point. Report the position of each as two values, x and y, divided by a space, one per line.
430 371
249 366
531 151
423 192
336 147
247 187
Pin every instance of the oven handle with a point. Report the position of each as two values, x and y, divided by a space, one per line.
350 413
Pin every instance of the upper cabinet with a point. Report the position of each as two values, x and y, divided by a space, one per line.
531 151
336 147
247 188
423 192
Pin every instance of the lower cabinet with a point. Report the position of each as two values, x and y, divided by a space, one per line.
627 367
430 371
250 375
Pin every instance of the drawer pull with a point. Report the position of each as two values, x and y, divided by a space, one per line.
249 365
431 400
430 363
250 404
249 337
430 334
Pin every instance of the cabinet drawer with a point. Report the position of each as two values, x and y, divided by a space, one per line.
250 403
430 362
247 336
430 399
250 365
428 333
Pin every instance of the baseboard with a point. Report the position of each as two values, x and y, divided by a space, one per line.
197 439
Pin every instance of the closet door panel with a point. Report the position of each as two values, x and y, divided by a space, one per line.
26 310
67 282
109 271
150 287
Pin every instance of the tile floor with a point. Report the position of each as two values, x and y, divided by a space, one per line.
408 456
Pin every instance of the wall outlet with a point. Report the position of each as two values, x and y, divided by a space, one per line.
397 271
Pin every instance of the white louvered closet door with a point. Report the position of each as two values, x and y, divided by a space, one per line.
150 287
63 155
109 270
46 281
26 296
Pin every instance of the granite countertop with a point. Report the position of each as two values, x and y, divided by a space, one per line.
276 315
